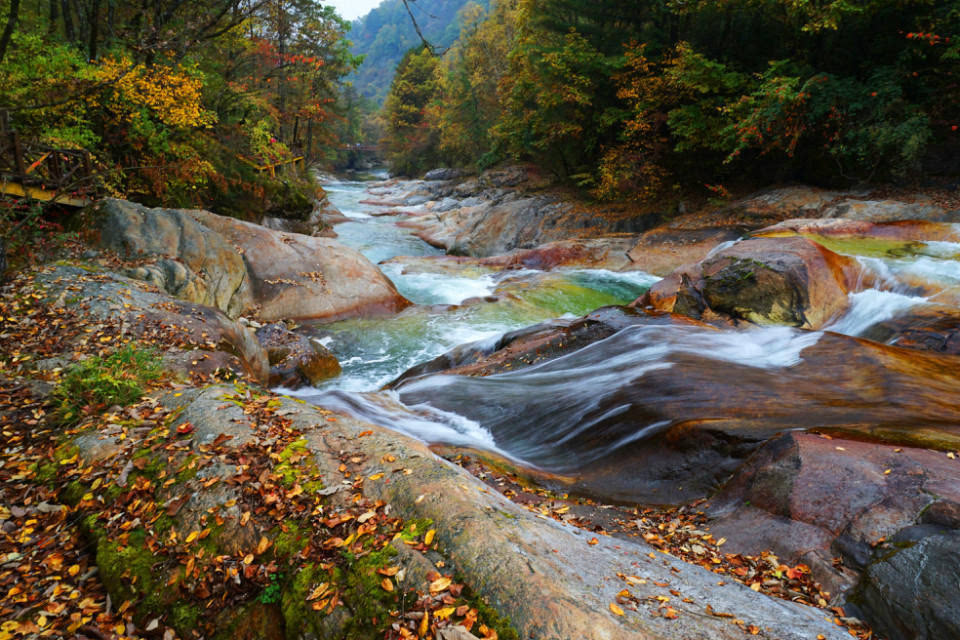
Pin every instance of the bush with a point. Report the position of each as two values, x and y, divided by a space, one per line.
117 379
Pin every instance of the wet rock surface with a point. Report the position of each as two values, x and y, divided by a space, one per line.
811 498
788 281
910 592
296 360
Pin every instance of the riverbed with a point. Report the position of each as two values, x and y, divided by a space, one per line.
592 406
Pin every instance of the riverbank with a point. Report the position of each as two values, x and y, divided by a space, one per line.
825 448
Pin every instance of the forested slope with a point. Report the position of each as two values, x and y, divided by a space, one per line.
643 98
385 34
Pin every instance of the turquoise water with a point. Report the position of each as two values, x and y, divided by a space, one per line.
451 308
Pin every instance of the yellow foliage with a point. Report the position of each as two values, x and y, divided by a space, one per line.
172 94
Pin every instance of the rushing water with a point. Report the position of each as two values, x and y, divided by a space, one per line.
596 402
451 308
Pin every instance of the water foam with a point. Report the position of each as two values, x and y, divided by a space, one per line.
872 306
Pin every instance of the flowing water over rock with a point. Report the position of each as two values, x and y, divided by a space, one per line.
650 411
453 307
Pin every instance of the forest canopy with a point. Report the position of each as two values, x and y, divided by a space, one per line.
630 100
178 102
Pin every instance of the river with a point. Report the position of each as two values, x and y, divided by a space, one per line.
593 406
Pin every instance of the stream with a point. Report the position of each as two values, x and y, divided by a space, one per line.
591 407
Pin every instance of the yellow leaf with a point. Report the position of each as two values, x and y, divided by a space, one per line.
74 570
263 546
615 609
389 571
386 584
248 559
428 539
244 518
319 591
376 476
424 625
756 586
439 585
443 614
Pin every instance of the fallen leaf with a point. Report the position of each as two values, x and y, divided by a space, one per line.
439 585
263 546
428 539
615 609
321 589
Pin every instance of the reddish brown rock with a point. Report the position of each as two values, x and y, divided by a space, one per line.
932 328
906 230
662 250
296 360
810 499
789 281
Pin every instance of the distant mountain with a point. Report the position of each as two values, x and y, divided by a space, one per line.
386 33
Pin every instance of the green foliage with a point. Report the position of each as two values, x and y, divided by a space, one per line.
168 119
273 591
640 99
117 379
411 137
384 36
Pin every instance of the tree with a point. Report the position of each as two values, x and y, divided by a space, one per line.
411 135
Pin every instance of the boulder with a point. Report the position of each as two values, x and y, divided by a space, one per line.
187 259
905 231
443 174
301 277
765 281
929 328
811 498
197 338
663 250
296 360
910 591
787 202
888 211
239 266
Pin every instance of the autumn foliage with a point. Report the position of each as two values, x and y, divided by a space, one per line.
179 104
635 100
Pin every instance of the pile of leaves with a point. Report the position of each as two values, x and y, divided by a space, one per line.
681 532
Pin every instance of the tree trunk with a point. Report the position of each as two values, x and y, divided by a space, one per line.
68 31
94 29
8 30
54 16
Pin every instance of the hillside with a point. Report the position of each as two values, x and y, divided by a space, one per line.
386 33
